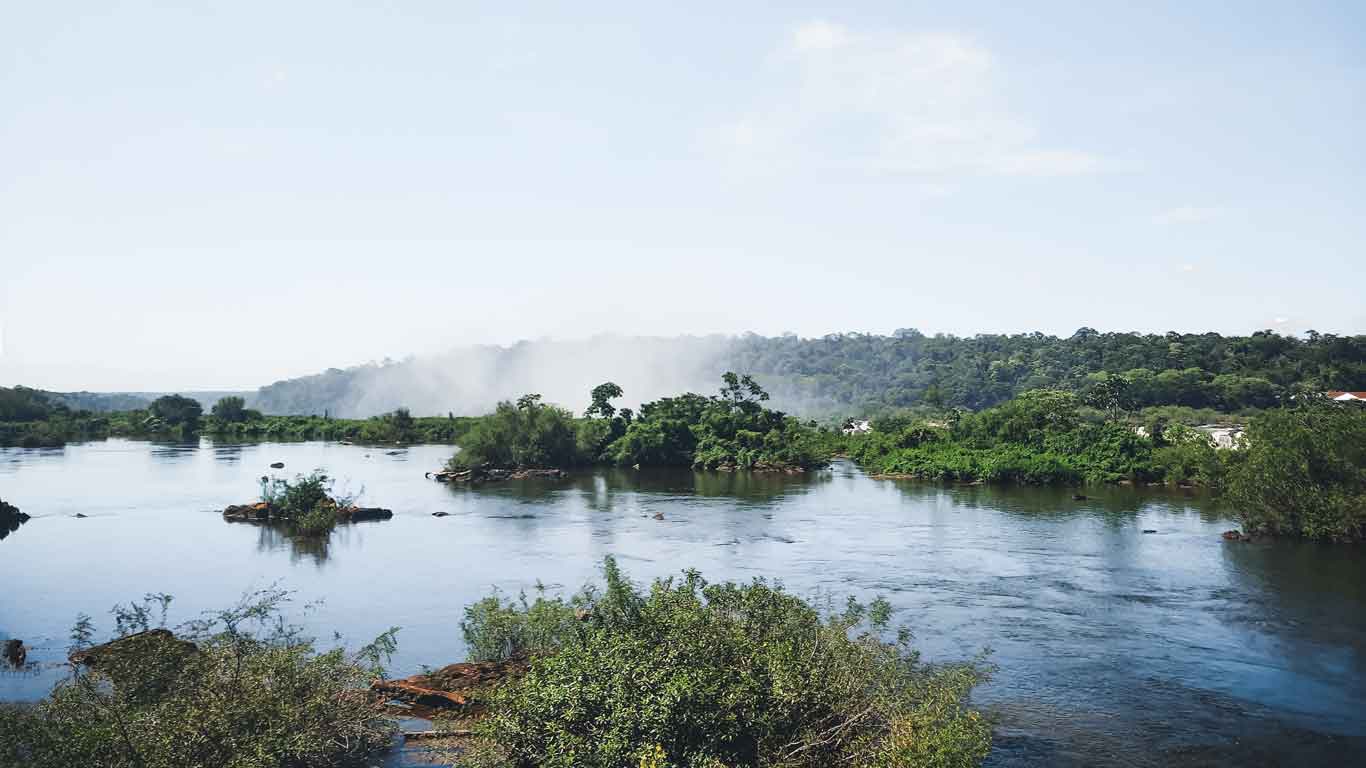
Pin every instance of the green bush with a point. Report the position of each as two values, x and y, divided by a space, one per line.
1304 472
249 692
696 674
527 433
306 504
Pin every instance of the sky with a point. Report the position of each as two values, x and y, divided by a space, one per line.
220 195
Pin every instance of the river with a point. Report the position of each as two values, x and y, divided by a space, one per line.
1113 646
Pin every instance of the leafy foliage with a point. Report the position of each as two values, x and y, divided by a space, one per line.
1040 437
246 690
730 430
176 410
527 433
233 410
1304 472
306 503
699 674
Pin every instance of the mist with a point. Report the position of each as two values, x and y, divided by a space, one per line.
472 380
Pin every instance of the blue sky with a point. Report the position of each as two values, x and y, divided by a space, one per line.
224 195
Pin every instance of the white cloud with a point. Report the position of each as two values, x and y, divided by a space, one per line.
818 36
912 103
1188 214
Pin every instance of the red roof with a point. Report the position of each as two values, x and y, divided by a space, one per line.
1334 394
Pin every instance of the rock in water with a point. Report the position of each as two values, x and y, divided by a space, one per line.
278 465
10 518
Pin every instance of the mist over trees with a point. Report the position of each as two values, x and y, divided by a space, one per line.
845 374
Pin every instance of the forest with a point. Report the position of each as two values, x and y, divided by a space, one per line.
853 374
868 374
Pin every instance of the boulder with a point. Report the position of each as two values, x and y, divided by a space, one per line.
358 514
257 511
278 465
134 643
1236 536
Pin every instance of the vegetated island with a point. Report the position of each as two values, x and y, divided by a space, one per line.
686 673
1297 470
31 418
729 431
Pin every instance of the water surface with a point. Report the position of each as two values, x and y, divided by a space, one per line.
1114 647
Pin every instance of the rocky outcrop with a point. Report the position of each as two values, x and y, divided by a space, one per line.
361 514
463 688
494 474
10 518
264 512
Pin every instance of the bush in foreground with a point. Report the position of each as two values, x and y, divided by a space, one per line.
246 692
696 674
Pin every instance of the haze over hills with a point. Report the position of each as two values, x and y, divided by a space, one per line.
841 374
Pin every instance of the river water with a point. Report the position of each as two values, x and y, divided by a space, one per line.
1113 646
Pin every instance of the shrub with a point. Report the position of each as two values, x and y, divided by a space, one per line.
306 503
527 433
697 674
249 692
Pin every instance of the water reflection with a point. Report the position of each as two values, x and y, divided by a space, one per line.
174 451
228 452
312 548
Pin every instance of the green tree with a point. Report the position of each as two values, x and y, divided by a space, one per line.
230 409
602 396
177 410
1304 472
